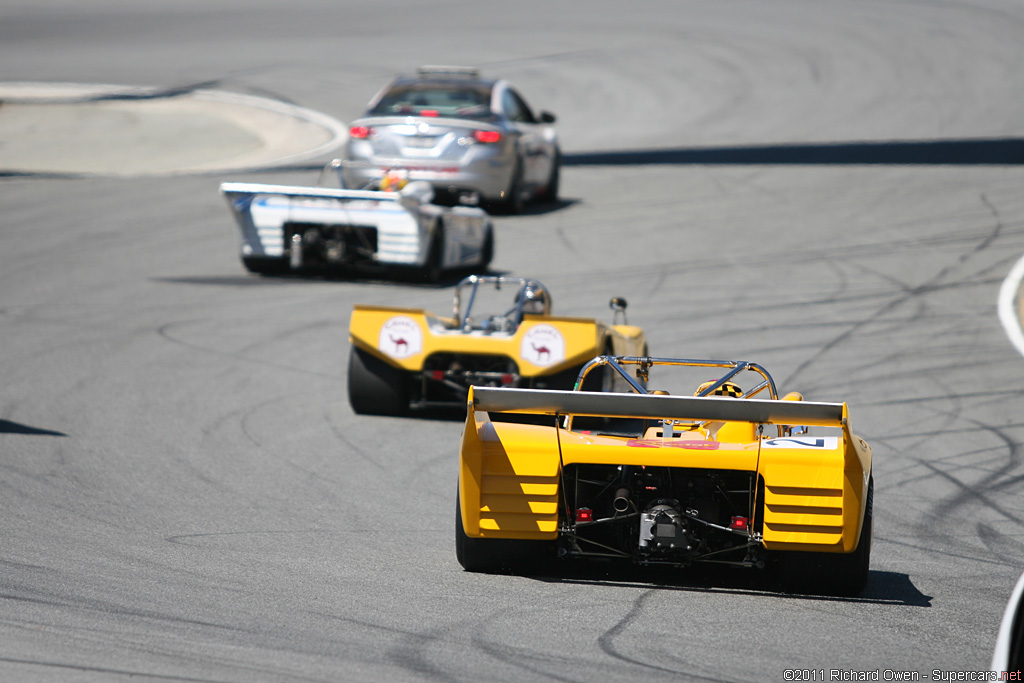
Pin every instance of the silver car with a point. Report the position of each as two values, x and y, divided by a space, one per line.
474 140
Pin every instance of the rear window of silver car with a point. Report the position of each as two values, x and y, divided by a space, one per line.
432 99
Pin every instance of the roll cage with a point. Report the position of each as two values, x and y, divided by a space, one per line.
638 383
472 318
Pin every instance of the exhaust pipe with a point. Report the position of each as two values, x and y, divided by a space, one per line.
295 255
622 498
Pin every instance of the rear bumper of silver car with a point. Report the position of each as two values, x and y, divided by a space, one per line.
489 178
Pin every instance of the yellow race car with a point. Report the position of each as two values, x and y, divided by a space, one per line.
729 475
501 333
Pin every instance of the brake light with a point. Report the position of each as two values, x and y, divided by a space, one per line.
739 523
437 375
507 379
359 132
487 136
428 112
584 515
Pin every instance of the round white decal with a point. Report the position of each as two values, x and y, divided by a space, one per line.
543 345
400 337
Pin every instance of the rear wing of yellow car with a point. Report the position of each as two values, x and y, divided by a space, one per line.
651 406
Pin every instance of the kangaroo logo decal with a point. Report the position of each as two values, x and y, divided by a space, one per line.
400 337
543 345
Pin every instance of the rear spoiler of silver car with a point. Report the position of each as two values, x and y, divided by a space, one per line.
652 406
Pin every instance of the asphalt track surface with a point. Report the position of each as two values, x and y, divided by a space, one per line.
831 189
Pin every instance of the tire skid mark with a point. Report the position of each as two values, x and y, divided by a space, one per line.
517 658
996 231
909 293
352 446
606 641
60 666
913 476
164 331
998 543
181 539
249 413
117 610
284 334
412 656
968 493
415 475
245 418
931 549
564 239
998 453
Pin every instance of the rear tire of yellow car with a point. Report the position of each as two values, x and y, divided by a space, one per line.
499 555
374 387
843 575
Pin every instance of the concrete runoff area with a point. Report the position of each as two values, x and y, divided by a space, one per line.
114 131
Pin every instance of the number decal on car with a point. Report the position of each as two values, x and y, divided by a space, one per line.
828 442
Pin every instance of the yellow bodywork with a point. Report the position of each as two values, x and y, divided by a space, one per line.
583 339
813 497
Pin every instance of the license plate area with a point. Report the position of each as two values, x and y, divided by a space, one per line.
421 141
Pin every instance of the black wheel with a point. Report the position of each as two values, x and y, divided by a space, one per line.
513 202
487 251
433 269
374 387
551 191
499 555
843 575
265 265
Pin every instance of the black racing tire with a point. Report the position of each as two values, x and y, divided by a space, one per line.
514 203
265 265
487 251
374 387
499 555
842 575
554 180
433 269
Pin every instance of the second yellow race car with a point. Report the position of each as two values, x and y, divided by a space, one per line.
730 475
501 333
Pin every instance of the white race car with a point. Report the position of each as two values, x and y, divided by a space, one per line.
316 229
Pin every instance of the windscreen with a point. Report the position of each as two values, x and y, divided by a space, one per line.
489 302
460 100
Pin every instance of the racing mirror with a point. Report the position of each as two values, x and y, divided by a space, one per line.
618 304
